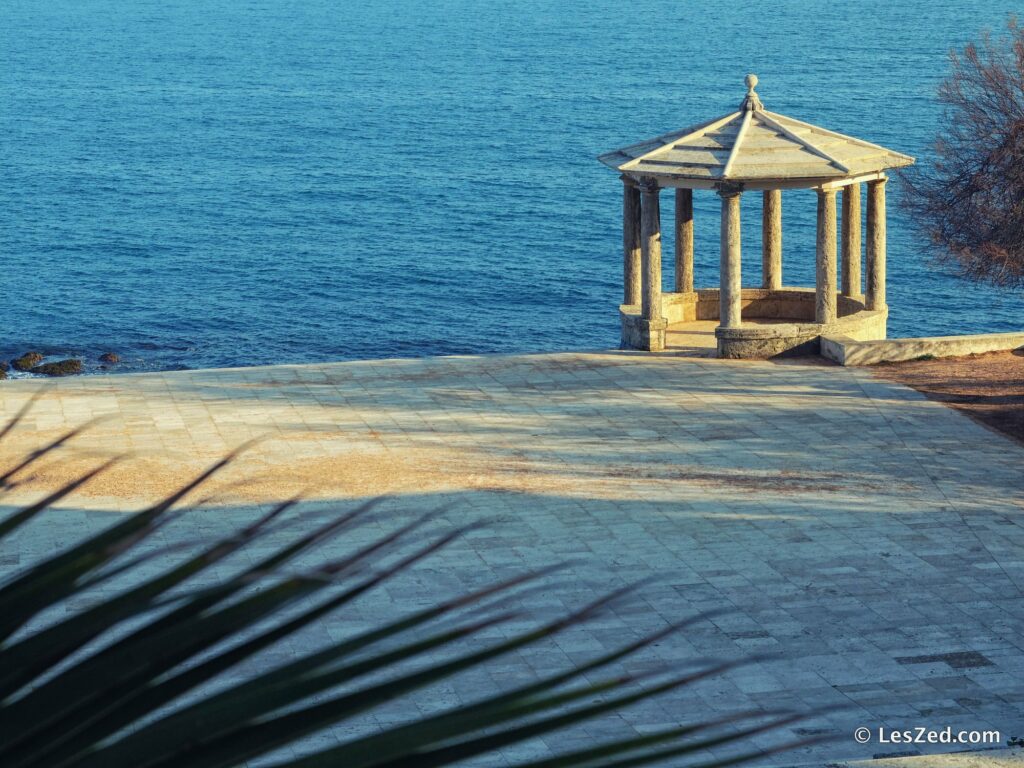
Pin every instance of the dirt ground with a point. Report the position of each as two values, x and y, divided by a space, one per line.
988 388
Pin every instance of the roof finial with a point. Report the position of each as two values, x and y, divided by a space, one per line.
752 101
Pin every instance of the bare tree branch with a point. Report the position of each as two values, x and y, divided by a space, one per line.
970 203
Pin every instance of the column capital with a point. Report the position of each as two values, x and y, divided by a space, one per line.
647 185
629 181
728 189
878 182
825 192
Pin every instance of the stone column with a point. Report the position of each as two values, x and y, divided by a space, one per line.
825 295
652 323
684 241
771 240
730 291
851 242
630 241
876 244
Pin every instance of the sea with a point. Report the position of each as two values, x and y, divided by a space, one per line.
207 183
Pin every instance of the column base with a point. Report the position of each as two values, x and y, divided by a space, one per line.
638 333
652 334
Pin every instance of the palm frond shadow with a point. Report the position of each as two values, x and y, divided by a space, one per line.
117 675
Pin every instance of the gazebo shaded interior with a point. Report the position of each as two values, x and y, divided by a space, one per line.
753 149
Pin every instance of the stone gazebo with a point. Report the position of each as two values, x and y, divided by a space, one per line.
753 149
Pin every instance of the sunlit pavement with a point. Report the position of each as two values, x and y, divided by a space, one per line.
871 541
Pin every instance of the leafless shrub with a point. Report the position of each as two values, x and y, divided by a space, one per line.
970 203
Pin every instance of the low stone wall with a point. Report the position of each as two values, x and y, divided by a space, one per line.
791 339
788 303
847 350
780 304
800 337
679 307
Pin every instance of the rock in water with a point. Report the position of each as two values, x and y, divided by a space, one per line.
59 368
27 361
110 357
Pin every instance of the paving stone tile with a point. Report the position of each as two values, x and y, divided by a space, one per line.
869 540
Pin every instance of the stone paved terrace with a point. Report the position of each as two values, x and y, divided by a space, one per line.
869 538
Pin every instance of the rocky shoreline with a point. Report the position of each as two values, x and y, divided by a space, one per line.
33 363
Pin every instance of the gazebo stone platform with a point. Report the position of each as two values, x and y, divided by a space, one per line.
753 149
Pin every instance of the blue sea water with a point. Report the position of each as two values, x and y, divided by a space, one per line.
196 183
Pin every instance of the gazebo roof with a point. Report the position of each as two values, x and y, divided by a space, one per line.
753 145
